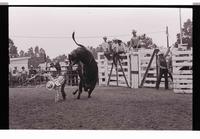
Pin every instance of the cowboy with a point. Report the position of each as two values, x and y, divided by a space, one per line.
118 48
106 48
163 70
134 40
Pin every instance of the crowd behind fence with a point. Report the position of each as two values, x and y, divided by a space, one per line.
136 62
35 77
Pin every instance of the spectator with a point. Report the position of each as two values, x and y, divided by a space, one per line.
134 40
53 70
32 72
106 48
118 48
121 47
162 65
23 75
105 44
58 68
40 77
115 45
15 76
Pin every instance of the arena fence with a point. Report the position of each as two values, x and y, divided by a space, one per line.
182 70
135 64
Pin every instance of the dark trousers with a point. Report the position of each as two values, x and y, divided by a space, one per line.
108 55
165 73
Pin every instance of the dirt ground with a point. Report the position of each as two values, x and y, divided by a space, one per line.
110 108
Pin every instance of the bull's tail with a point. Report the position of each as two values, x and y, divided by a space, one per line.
73 34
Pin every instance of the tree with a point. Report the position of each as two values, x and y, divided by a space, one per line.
60 58
37 51
48 60
43 55
13 52
186 34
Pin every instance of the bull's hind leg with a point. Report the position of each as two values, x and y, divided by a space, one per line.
80 89
90 91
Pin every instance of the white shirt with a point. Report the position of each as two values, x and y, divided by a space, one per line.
105 46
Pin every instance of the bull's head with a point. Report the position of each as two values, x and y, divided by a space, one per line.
73 58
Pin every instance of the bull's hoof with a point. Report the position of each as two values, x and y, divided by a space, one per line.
64 97
74 93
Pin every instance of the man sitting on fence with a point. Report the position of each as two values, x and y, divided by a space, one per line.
118 48
106 48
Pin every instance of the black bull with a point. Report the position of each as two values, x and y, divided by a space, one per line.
87 69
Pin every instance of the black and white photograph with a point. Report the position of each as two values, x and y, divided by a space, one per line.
100 68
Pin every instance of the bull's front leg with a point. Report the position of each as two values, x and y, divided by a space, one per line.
80 89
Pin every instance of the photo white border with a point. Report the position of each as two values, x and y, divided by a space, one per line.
91 134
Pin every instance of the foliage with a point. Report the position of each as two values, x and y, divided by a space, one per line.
37 55
187 34
60 58
13 52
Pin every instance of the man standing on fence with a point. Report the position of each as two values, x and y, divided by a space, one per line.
162 65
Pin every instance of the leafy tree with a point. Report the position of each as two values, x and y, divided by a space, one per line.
37 51
48 60
60 58
13 52
38 57
186 34
146 41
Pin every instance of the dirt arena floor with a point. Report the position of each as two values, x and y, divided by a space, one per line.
110 108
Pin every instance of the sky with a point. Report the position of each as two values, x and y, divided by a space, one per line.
51 27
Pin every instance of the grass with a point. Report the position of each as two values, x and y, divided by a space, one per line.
110 108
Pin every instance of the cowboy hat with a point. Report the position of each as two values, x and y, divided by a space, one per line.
134 31
50 85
